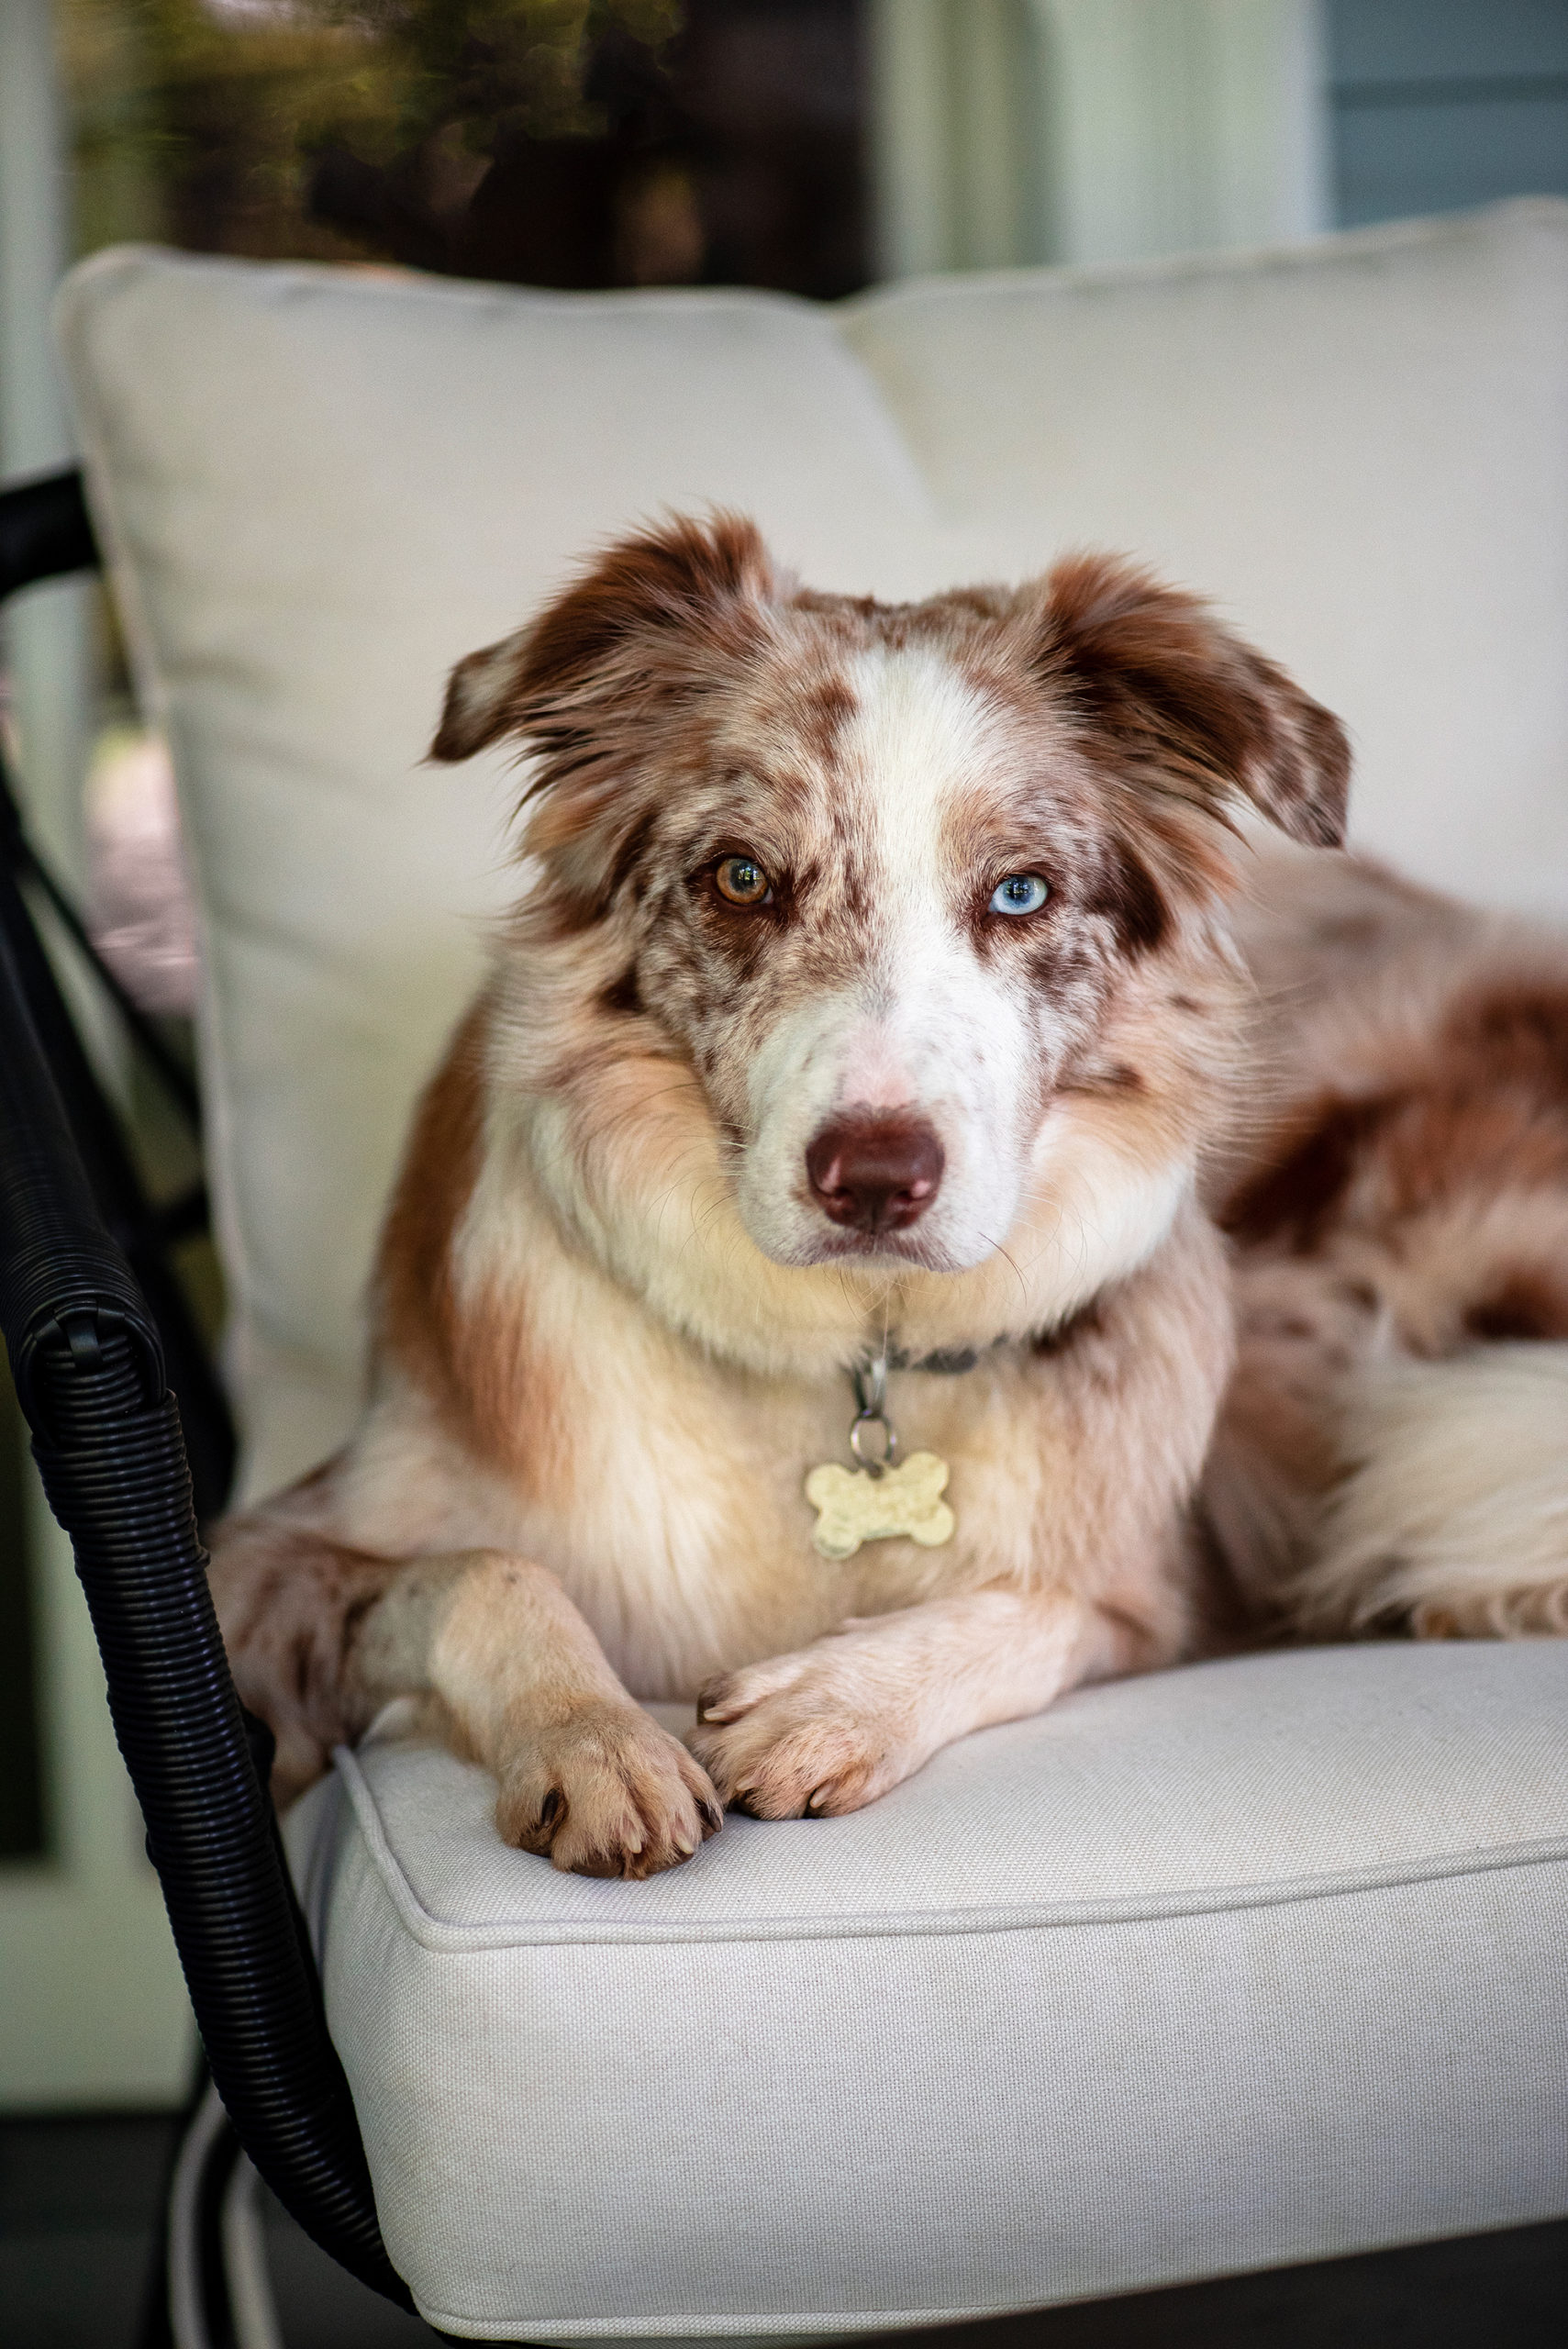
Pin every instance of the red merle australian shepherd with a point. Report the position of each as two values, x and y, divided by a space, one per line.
955 1187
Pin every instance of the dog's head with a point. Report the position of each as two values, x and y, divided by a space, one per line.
918 892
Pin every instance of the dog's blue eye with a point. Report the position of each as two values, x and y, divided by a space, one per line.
741 882
1020 893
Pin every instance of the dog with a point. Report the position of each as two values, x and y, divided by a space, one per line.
955 1187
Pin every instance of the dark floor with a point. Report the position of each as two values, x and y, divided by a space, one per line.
79 2203
79 2200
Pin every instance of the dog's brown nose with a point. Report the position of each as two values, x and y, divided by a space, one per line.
875 1173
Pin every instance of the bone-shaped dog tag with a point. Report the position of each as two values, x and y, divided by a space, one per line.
853 1506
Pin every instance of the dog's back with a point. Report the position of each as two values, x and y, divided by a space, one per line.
1391 1447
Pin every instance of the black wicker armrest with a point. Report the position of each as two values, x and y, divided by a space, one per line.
88 1364
88 1368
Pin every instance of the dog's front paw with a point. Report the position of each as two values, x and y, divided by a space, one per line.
606 1793
802 1734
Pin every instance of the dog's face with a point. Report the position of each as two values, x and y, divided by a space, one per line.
893 881
880 921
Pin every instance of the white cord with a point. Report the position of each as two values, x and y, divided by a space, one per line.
251 2302
187 2309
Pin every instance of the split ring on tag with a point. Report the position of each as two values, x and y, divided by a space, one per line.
874 1462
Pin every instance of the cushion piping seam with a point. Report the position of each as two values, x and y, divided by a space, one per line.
763 2325
439 1935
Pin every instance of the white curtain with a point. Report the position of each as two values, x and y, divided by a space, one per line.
1018 131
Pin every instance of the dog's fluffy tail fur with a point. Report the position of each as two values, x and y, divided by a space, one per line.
1453 1516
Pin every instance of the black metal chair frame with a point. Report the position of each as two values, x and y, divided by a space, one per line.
101 1344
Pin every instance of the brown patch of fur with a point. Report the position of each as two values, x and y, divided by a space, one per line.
1291 1198
1109 1079
1513 1036
1526 1303
467 1356
1129 897
621 997
1176 693
823 713
290 1601
1089 1322
417 1318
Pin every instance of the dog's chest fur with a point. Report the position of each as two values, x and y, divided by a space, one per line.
666 1487
673 1506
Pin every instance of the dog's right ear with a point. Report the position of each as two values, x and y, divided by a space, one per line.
641 623
1177 696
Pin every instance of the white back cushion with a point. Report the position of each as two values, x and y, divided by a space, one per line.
318 488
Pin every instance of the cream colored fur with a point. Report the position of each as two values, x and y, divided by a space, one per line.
1454 1512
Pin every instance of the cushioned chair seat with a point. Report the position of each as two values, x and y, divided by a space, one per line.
1252 1963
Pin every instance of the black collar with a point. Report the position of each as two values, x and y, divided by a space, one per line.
950 1361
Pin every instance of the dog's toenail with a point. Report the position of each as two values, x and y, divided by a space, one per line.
550 1811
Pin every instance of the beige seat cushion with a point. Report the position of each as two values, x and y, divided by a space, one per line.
1252 1963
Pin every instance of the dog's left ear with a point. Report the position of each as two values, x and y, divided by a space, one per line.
1191 704
641 622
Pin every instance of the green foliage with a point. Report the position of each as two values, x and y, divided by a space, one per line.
200 121
501 66
497 67
198 126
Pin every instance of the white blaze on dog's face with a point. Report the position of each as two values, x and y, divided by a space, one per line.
881 1027
884 877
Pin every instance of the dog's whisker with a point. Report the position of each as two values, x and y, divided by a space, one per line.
1008 1258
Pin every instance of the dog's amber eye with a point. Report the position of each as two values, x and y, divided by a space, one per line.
1020 893
740 880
